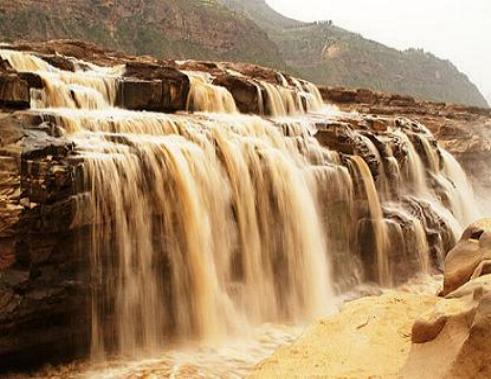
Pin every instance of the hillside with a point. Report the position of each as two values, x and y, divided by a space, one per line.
163 28
239 30
326 54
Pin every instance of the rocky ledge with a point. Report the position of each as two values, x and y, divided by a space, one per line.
406 333
464 131
147 83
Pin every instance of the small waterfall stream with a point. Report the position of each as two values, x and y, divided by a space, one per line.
210 223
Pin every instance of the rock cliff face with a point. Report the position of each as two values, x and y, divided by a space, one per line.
45 276
462 331
40 289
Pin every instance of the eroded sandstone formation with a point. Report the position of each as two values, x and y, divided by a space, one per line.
405 334
457 338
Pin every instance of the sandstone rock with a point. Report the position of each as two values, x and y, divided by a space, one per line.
368 338
14 92
43 283
338 95
245 92
140 94
365 96
469 258
174 87
33 80
427 330
58 61
454 342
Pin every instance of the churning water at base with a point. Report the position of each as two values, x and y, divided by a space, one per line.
201 254
205 226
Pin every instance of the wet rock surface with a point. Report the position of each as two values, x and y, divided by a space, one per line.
464 131
41 293
14 91
148 83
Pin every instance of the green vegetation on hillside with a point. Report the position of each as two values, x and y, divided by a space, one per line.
239 30
199 29
327 54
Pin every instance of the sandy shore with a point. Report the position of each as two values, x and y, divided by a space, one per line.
370 337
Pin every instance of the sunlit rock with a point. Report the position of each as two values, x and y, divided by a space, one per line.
470 258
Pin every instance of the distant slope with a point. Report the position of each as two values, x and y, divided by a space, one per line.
330 55
239 30
262 14
202 29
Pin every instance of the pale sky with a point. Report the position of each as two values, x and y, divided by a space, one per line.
459 30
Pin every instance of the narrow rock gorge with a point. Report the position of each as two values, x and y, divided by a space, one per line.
148 204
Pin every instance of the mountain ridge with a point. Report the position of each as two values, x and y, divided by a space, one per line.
249 31
327 54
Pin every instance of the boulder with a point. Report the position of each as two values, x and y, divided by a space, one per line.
244 92
149 86
454 342
14 92
470 258
137 94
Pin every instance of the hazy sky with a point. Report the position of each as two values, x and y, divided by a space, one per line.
459 30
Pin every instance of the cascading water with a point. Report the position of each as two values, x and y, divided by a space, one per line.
163 183
377 218
206 97
289 100
94 89
206 224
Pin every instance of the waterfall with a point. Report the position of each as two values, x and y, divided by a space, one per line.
206 97
377 218
217 256
92 87
290 100
205 224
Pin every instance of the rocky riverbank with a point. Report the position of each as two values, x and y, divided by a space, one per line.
402 334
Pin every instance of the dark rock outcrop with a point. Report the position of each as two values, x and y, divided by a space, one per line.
41 292
245 92
14 92
153 87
